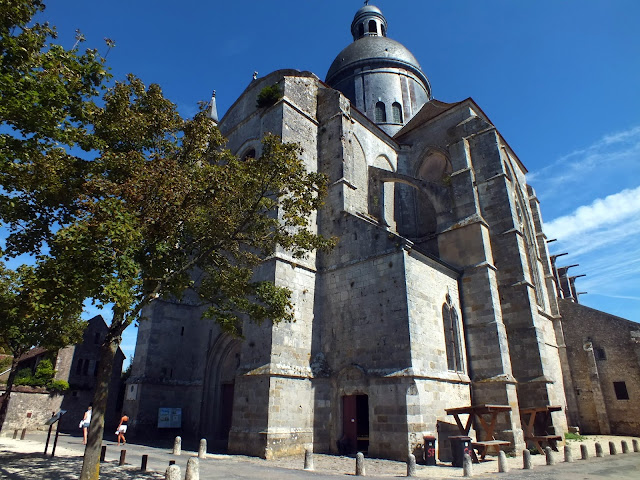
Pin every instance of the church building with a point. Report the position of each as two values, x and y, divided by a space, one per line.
439 294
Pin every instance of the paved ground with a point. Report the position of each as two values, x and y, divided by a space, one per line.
24 460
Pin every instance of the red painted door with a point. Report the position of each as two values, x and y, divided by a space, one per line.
349 423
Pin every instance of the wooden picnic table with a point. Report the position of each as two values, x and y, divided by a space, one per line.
488 425
540 417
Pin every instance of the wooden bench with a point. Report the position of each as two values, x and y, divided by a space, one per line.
483 447
538 440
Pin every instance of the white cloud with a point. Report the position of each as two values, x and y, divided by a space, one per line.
611 212
609 155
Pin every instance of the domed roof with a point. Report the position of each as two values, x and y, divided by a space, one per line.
368 50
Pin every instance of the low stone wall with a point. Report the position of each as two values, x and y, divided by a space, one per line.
30 408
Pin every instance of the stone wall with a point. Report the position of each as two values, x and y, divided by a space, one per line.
29 408
602 349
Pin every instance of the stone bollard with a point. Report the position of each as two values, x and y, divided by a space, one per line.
526 459
549 455
123 455
411 465
143 465
625 447
636 447
308 459
502 462
103 453
23 434
584 452
599 450
467 466
177 446
193 469
202 449
568 454
172 473
15 433
360 464
612 448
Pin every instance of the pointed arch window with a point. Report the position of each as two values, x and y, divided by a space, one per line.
396 111
452 336
381 113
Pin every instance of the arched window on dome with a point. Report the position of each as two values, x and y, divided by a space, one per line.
396 110
384 33
373 28
452 336
381 113
361 30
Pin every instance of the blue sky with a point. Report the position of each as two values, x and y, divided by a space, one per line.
559 78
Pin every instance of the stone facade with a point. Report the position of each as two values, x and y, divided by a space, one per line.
439 294
603 369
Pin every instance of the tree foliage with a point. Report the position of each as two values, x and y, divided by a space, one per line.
154 207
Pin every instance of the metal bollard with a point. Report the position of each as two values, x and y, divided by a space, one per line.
143 465
123 454
549 455
599 450
411 465
625 447
202 449
502 462
467 466
584 452
172 473
177 446
568 454
612 448
308 459
103 453
360 465
193 469
636 447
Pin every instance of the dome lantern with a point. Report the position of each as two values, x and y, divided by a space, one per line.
379 75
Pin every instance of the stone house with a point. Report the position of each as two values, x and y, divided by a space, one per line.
439 294
603 370
76 364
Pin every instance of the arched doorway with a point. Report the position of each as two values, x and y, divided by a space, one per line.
217 406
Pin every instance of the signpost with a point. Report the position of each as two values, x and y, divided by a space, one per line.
54 418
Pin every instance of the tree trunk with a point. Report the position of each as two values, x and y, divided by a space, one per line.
91 462
4 400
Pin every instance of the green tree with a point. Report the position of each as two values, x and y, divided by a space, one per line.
161 207
36 308
46 98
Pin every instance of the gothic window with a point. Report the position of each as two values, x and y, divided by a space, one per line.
373 28
250 154
96 338
452 336
381 113
79 367
396 109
